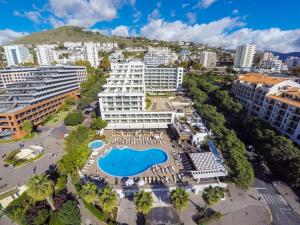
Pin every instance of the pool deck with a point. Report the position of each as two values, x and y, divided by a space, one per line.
163 177
166 145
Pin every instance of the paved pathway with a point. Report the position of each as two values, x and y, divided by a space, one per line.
19 175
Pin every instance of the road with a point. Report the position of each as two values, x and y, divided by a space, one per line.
19 175
281 212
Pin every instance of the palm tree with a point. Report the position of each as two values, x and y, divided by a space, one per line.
212 195
179 198
88 192
143 202
40 187
108 199
27 126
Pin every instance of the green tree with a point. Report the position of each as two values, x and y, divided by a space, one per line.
41 217
69 213
83 63
179 199
212 195
27 126
105 64
108 199
40 187
69 101
61 182
74 118
143 202
1 211
98 124
88 192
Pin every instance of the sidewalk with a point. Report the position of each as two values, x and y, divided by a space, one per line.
289 195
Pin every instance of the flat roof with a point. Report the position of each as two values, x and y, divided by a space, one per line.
257 78
160 104
285 100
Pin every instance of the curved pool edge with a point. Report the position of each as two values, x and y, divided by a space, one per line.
134 149
96 149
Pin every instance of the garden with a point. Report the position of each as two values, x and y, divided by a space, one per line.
13 160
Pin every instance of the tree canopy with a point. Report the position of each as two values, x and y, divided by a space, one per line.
143 202
179 198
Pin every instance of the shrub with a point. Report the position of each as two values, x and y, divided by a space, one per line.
95 210
41 217
98 124
60 183
74 118
69 213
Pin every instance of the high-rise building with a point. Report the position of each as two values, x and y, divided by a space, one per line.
159 56
91 53
268 61
17 54
208 59
37 97
123 100
273 99
46 54
244 56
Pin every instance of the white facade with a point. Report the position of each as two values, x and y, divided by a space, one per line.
208 59
123 100
159 56
273 99
17 54
244 56
160 79
268 61
46 54
292 61
91 54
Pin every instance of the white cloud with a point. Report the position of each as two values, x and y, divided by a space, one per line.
34 16
192 17
155 14
205 3
137 16
85 13
227 32
8 35
235 11
120 31
173 13
185 5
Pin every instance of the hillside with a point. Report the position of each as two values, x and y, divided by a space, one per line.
283 56
68 33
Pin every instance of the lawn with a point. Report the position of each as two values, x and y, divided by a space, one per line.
26 137
56 118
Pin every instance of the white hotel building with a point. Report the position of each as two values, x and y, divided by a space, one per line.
275 100
123 100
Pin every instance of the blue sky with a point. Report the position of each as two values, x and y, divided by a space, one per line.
272 25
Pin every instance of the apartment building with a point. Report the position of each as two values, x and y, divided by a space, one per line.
123 100
11 75
91 53
37 97
244 56
159 56
273 99
208 59
267 61
17 54
163 79
46 54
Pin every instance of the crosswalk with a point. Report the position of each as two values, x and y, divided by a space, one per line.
273 199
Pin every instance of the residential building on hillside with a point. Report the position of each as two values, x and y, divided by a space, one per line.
37 97
163 79
17 54
46 54
273 99
244 56
268 61
11 75
208 59
91 54
123 100
292 61
72 45
159 56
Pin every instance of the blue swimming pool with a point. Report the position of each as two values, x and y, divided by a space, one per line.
130 162
96 145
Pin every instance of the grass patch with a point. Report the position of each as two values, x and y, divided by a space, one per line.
95 210
26 137
56 118
148 102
